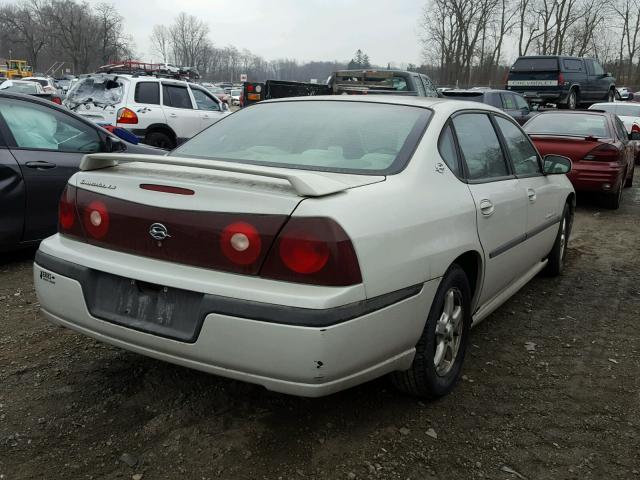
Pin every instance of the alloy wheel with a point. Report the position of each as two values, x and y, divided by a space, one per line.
448 332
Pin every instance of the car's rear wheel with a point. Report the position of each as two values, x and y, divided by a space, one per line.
441 349
572 101
160 140
612 200
556 258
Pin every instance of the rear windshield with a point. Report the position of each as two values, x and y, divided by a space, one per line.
535 64
101 90
335 136
27 88
627 110
573 124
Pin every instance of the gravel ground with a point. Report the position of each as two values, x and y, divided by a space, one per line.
550 391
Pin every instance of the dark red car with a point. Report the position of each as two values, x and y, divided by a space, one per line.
596 142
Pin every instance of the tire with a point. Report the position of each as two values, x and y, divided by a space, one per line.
629 181
572 101
160 140
557 256
614 199
424 378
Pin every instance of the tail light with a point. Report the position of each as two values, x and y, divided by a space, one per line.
603 153
127 116
506 79
313 250
68 221
560 79
56 100
635 128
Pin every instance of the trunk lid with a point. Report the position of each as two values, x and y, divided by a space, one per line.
189 211
573 147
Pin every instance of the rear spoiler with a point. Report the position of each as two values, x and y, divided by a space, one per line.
305 183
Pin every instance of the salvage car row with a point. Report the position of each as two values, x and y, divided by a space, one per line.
304 244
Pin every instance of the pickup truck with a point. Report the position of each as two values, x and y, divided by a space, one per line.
568 82
344 82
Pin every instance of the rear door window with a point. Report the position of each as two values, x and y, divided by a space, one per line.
147 92
176 96
597 68
480 147
589 64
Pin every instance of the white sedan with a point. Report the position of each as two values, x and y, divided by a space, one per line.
629 113
309 245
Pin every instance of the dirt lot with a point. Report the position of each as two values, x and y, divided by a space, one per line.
71 408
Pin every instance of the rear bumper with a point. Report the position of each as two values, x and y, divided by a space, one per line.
284 357
598 177
551 96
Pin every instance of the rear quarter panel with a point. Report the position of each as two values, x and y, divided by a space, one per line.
409 228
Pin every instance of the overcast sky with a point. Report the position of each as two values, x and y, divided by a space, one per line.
301 29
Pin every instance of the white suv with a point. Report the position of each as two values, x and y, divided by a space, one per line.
161 112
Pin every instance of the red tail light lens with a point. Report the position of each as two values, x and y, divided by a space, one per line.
313 250
560 79
635 128
96 219
67 209
240 242
127 116
57 100
603 153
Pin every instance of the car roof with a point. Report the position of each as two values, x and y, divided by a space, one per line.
410 101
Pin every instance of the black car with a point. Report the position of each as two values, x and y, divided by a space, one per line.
41 145
512 103
567 82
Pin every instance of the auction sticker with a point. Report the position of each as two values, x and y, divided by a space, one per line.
48 277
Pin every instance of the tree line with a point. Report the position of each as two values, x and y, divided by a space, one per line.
48 31
468 42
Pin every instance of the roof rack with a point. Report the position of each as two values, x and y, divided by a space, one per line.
130 67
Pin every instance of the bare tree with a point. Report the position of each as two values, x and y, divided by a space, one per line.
161 42
25 25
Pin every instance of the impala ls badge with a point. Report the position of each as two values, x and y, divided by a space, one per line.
158 232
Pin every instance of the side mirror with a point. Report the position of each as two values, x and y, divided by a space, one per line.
556 164
114 144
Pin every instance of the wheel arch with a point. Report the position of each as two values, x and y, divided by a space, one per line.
161 127
471 264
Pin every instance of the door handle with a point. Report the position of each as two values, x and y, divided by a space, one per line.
205 116
40 165
531 193
486 208
173 115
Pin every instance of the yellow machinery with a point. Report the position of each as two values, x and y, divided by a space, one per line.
15 69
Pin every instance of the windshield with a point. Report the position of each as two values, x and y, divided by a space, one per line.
103 90
338 136
26 87
574 124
